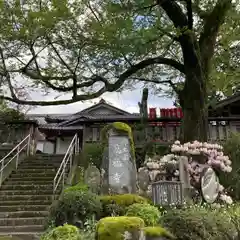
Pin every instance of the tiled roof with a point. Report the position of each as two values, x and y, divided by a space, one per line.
56 127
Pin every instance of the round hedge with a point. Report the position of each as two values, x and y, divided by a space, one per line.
156 232
116 228
119 203
65 232
198 223
147 212
76 206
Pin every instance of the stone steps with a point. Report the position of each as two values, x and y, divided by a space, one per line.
22 221
5 230
22 235
26 202
26 196
27 192
36 174
30 178
23 214
27 187
29 181
14 208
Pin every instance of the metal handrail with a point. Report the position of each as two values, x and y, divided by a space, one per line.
60 175
19 149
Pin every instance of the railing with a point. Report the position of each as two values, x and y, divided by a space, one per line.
68 158
4 162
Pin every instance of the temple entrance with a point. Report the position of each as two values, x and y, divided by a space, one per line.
57 141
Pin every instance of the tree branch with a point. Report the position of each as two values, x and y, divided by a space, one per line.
189 14
108 87
211 28
174 12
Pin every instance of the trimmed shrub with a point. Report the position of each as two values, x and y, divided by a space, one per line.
78 187
157 232
198 223
147 212
118 228
76 206
118 204
231 181
65 232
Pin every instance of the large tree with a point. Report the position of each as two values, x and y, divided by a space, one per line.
88 48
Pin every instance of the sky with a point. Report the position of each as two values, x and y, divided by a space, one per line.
126 100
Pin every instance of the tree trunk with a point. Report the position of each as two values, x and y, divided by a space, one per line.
195 110
193 98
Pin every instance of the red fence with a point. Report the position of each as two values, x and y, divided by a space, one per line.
165 112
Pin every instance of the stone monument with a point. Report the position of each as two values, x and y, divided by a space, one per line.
119 168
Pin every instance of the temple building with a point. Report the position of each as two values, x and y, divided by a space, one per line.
55 131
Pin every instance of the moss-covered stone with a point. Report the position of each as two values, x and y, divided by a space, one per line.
157 233
121 127
117 228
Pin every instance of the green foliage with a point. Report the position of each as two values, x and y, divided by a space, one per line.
65 232
76 206
231 181
112 38
114 228
118 204
155 232
92 153
147 212
78 187
198 223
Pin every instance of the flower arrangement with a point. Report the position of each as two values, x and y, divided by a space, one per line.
198 155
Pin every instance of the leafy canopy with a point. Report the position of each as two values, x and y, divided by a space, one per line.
88 47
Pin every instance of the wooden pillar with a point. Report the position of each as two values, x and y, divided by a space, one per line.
83 136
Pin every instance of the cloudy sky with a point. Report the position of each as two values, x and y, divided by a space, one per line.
127 100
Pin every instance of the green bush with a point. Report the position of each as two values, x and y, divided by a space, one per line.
65 232
76 206
115 228
118 204
156 232
231 181
198 223
147 212
78 187
92 153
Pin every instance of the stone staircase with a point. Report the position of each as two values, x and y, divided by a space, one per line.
25 197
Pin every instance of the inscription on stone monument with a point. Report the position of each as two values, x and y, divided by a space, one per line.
120 165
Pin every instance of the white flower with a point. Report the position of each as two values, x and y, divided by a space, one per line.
177 142
150 165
